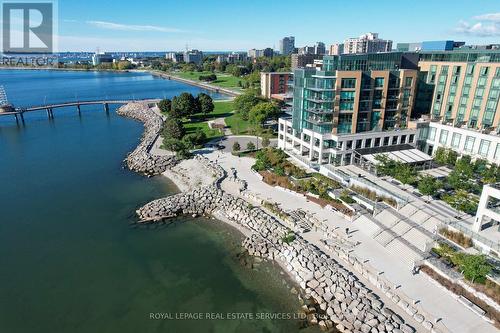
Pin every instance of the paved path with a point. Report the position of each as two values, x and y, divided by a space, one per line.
440 303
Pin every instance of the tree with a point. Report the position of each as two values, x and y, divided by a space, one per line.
429 185
405 173
460 177
440 156
194 139
178 146
250 145
173 129
265 142
236 146
244 103
184 105
261 112
462 201
165 105
205 103
124 65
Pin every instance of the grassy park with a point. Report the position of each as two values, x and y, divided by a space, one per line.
223 80
222 109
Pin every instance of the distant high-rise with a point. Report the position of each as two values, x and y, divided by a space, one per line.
336 49
267 52
287 45
367 43
193 56
319 48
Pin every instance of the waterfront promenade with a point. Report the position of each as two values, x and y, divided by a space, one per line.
430 297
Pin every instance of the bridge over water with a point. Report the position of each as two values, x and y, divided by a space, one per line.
18 113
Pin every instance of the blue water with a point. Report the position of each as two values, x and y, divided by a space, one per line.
71 256
38 87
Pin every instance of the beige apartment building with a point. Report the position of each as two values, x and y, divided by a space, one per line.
466 92
464 106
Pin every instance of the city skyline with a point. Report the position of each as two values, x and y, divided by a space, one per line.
171 26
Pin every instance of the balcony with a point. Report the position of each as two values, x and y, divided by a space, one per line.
319 111
319 120
319 88
317 100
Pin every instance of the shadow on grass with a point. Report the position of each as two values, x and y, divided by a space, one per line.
202 117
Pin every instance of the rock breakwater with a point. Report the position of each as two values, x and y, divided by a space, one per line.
347 302
141 160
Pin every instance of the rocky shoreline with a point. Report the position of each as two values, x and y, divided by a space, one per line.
141 160
349 305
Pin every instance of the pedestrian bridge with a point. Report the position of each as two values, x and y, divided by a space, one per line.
49 108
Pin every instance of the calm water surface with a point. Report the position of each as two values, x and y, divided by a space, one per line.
71 257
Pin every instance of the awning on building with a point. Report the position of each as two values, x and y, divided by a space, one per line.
401 153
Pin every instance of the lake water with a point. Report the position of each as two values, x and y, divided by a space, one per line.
72 259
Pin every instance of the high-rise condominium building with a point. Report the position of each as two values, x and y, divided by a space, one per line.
353 102
287 45
193 56
367 43
319 48
336 49
463 102
255 53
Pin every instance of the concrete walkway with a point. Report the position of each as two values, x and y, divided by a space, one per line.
432 298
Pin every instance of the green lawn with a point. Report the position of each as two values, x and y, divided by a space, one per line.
223 109
223 80
237 125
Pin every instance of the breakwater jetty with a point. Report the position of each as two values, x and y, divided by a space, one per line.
141 160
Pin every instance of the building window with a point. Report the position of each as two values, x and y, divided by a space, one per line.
455 140
386 141
403 138
484 71
394 140
348 83
497 152
349 145
368 143
379 82
432 133
408 82
358 144
411 138
484 148
377 142
469 144
443 137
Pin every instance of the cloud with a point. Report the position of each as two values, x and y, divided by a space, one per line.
131 27
486 25
495 17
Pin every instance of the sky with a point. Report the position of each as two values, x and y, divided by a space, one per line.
217 25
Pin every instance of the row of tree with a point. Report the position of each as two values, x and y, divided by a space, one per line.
177 110
186 105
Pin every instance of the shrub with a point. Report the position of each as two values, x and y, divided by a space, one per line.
288 238
457 237
250 146
208 78
266 142
236 146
